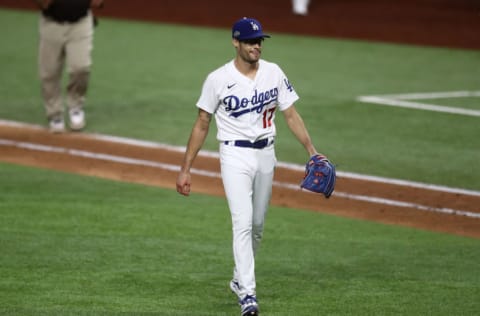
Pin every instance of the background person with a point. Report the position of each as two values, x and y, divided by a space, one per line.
300 7
66 30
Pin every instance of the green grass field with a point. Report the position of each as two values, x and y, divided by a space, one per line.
84 246
73 245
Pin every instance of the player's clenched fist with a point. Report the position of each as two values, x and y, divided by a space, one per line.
183 183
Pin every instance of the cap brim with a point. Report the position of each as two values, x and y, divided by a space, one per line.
253 36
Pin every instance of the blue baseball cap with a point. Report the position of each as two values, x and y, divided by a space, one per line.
247 28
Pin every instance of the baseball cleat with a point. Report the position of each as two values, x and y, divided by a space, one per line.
77 119
235 287
249 306
56 125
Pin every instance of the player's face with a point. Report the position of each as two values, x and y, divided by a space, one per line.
250 50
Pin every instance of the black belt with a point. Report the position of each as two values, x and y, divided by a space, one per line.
259 144
69 20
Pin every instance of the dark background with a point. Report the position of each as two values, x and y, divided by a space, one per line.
444 23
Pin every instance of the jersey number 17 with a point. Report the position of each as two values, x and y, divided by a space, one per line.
267 117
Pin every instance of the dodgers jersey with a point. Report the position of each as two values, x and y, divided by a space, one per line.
244 108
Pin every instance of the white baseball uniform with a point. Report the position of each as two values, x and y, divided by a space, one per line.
244 111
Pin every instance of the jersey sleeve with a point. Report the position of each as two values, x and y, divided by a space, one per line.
208 100
286 93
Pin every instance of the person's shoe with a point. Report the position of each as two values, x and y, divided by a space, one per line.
77 119
249 306
56 125
235 287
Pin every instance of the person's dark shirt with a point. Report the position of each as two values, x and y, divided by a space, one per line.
67 10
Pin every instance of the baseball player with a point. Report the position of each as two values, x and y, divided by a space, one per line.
66 36
244 95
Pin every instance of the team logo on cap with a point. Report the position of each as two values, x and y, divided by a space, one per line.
254 26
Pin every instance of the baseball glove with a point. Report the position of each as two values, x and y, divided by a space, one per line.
320 176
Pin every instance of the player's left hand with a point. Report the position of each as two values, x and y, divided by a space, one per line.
320 175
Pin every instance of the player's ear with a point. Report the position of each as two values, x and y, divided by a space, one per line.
235 42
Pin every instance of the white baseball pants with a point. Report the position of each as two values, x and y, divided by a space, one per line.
247 176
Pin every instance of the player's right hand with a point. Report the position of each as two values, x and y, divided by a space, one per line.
184 183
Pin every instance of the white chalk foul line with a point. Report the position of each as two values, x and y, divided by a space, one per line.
105 157
390 202
434 95
175 168
398 100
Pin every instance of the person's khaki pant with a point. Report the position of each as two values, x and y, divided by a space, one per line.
63 44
